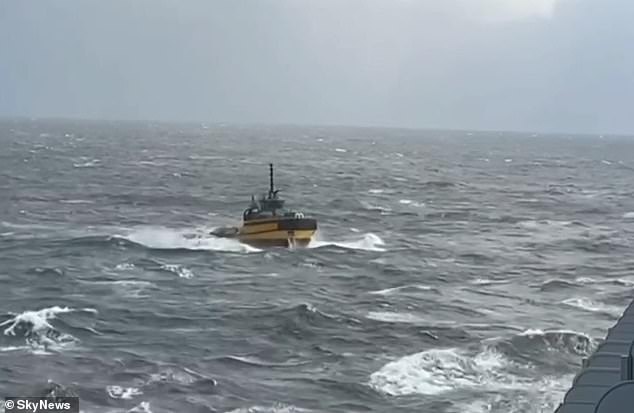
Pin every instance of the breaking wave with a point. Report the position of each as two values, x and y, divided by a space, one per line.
39 334
490 368
167 239
439 371
593 306
118 392
276 408
369 242
409 288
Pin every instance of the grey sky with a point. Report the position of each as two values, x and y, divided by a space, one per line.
544 65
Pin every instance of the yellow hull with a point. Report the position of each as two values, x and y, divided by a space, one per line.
276 237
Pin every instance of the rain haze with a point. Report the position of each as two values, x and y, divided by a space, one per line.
453 232
543 65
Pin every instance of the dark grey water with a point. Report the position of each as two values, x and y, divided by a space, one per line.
453 272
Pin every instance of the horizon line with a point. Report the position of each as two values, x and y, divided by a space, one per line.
202 123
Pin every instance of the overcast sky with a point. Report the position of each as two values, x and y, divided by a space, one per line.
539 65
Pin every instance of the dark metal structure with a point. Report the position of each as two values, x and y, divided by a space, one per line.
605 383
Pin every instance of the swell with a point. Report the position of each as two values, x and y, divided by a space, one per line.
299 322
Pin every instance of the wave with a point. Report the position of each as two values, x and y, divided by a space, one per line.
179 270
47 271
438 371
75 201
574 233
491 368
369 242
118 392
88 164
487 281
593 306
623 281
412 203
199 239
298 320
143 407
171 239
557 284
543 224
407 318
561 340
128 288
276 408
403 288
258 362
616 281
308 312
371 207
39 334
180 376
376 191
155 265
439 184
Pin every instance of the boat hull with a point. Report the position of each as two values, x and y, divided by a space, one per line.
278 232
278 238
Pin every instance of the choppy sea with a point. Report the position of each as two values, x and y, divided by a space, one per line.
452 271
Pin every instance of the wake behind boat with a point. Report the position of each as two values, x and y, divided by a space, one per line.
266 223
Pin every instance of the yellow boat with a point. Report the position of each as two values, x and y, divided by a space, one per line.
266 222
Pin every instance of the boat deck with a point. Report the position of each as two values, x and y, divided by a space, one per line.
605 383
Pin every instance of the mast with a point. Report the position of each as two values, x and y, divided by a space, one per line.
272 202
271 190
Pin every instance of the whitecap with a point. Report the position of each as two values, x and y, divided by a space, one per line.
38 319
488 373
369 242
88 164
593 306
392 317
407 318
39 334
277 408
372 207
118 392
181 271
412 203
143 407
487 281
438 371
389 291
166 238
76 201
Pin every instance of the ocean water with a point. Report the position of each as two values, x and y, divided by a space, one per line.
452 272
